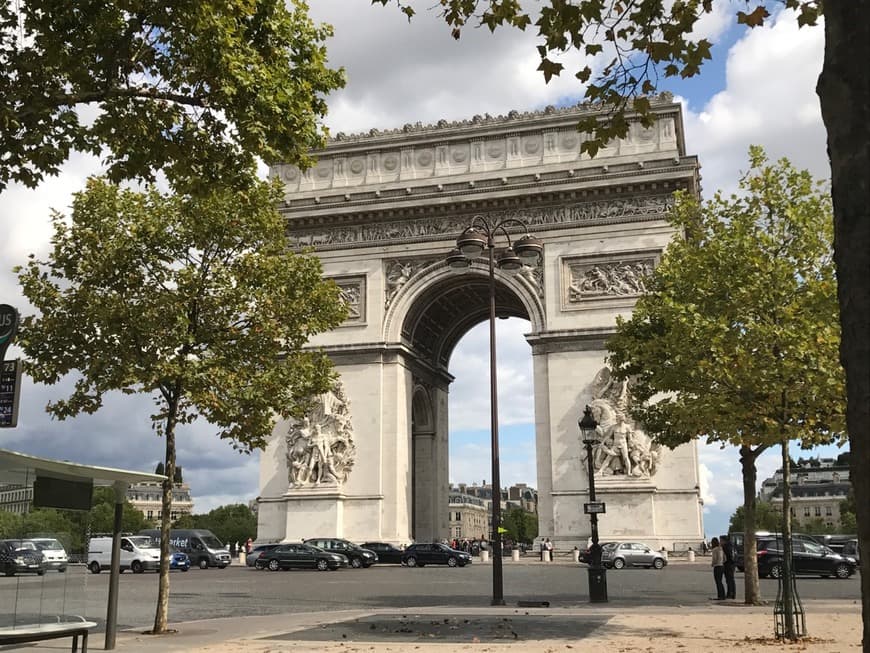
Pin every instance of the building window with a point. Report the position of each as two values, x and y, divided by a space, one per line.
818 511
806 511
828 511
458 516
150 514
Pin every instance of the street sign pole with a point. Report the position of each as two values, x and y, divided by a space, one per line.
10 371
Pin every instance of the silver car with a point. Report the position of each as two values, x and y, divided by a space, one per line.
633 554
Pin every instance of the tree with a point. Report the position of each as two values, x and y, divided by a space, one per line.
767 517
521 526
751 362
194 300
232 523
651 40
192 89
102 514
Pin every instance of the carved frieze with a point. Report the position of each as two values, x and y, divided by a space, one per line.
613 276
320 447
353 294
617 210
397 272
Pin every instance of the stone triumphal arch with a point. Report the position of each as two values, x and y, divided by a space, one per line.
382 210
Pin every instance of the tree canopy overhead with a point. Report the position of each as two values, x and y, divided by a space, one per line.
194 89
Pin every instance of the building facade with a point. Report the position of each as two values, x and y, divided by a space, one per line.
818 487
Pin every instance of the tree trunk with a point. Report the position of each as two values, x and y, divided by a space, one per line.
787 560
752 589
161 618
844 94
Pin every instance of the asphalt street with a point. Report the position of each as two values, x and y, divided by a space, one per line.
241 591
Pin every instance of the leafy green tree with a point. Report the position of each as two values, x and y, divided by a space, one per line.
737 335
102 515
767 517
644 43
190 88
10 525
195 300
521 526
232 523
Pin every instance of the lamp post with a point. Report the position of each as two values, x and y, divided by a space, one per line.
597 572
478 236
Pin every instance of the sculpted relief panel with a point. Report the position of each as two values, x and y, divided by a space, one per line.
320 448
353 294
626 209
595 278
623 448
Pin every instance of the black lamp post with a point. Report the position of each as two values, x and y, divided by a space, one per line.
480 235
597 572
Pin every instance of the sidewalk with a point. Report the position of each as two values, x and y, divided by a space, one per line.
833 627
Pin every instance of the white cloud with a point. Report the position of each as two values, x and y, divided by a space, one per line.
769 100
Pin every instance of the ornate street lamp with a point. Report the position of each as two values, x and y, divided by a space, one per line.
478 236
597 572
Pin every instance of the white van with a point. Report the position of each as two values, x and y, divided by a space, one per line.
138 552
53 553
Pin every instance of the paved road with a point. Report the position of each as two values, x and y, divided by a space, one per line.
241 591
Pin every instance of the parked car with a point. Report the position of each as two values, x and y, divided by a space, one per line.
850 549
808 558
738 539
256 552
21 557
420 555
632 554
386 553
52 550
356 555
302 556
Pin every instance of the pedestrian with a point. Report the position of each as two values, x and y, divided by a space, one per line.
543 548
718 564
551 549
730 563
249 544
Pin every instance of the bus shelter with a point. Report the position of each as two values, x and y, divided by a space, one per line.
41 602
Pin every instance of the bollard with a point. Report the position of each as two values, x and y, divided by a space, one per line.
515 555
691 556
484 556
242 557
546 556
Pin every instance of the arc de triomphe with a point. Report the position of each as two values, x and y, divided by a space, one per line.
382 210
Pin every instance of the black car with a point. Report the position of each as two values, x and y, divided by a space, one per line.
420 555
387 553
300 556
738 541
358 556
257 551
21 557
809 559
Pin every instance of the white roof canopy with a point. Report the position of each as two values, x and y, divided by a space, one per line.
21 468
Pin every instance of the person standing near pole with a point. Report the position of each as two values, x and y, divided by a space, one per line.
718 564
730 563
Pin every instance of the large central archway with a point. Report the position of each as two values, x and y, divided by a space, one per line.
439 307
381 210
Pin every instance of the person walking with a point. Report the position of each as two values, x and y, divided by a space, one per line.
718 564
730 563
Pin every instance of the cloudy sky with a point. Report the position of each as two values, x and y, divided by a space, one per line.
758 90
